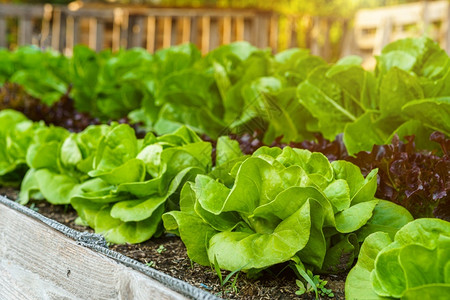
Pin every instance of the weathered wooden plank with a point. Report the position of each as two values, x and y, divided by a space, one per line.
226 30
37 262
195 12
137 29
45 30
239 24
194 30
56 29
185 30
167 32
214 36
70 34
151 27
118 22
25 31
96 32
262 31
18 10
205 38
248 30
125 21
3 32
315 32
273 33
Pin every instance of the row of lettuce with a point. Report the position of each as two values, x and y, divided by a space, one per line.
238 88
242 212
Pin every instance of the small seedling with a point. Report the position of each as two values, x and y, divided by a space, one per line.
33 207
313 282
150 264
301 288
161 249
223 282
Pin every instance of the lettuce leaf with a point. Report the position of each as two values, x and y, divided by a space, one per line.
411 265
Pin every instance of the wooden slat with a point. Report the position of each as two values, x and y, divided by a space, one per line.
205 39
185 30
25 31
239 28
315 32
118 22
175 34
226 30
19 10
151 26
273 33
249 26
37 262
253 28
3 32
167 32
96 30
136 33
214 36
70 35
46 20
194 12
100 35
124 29
262 31
194 30
56 28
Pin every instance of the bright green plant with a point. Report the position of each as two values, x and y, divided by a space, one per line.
406 95
313 282
134 181
413 265
59 162
16 135
265 209
108 85
42 73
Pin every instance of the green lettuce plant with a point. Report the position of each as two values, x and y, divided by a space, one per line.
42 73
258 211
406 95
134 181
415 264
43 160
16 135
109 85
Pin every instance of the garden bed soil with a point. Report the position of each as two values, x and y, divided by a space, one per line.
168 254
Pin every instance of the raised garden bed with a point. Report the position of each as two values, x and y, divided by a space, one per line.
43 259
275 213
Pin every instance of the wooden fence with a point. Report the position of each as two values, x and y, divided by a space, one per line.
375 28
104 26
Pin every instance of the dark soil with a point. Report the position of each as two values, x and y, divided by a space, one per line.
168 254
